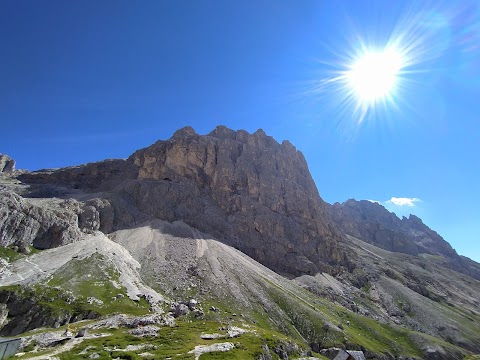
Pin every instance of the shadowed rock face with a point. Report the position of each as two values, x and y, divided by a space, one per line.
98 176
245 189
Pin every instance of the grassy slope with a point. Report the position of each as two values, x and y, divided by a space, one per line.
95 277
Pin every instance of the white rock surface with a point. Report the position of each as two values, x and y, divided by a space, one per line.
202 349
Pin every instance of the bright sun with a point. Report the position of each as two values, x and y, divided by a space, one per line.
374 75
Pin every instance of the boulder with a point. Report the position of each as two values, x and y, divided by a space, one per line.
180 309
7 164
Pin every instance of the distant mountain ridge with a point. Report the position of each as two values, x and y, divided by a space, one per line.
373 223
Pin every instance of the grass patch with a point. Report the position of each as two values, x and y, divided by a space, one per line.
9 254
310 317
177 342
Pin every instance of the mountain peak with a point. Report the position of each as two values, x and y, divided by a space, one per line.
223 132
185 131
248 189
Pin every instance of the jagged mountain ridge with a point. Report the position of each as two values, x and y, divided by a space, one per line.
373 223
256 195
245 189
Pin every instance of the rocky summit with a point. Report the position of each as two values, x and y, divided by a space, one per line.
220 245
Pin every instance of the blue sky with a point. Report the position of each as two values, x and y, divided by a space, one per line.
81 81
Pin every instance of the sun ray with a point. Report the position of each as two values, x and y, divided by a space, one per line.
372 79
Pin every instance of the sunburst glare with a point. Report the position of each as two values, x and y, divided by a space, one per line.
374 75
369 76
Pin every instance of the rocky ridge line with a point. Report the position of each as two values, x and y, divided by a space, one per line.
373 223
246 190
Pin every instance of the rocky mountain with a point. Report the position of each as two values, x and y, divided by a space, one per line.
245 189
371 222
197 236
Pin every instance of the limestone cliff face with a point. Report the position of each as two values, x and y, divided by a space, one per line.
245 189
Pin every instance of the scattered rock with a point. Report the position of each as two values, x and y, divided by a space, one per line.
86 350
192 303
211 336
265 355
149 330
235 331
198 313
94 301
81 333
143 320
168 320
202 349
180 309
146 354
49 339
134 347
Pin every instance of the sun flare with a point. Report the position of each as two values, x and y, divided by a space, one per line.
374 75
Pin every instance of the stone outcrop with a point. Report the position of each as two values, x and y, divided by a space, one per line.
46 223
26 311
23 223
7 164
